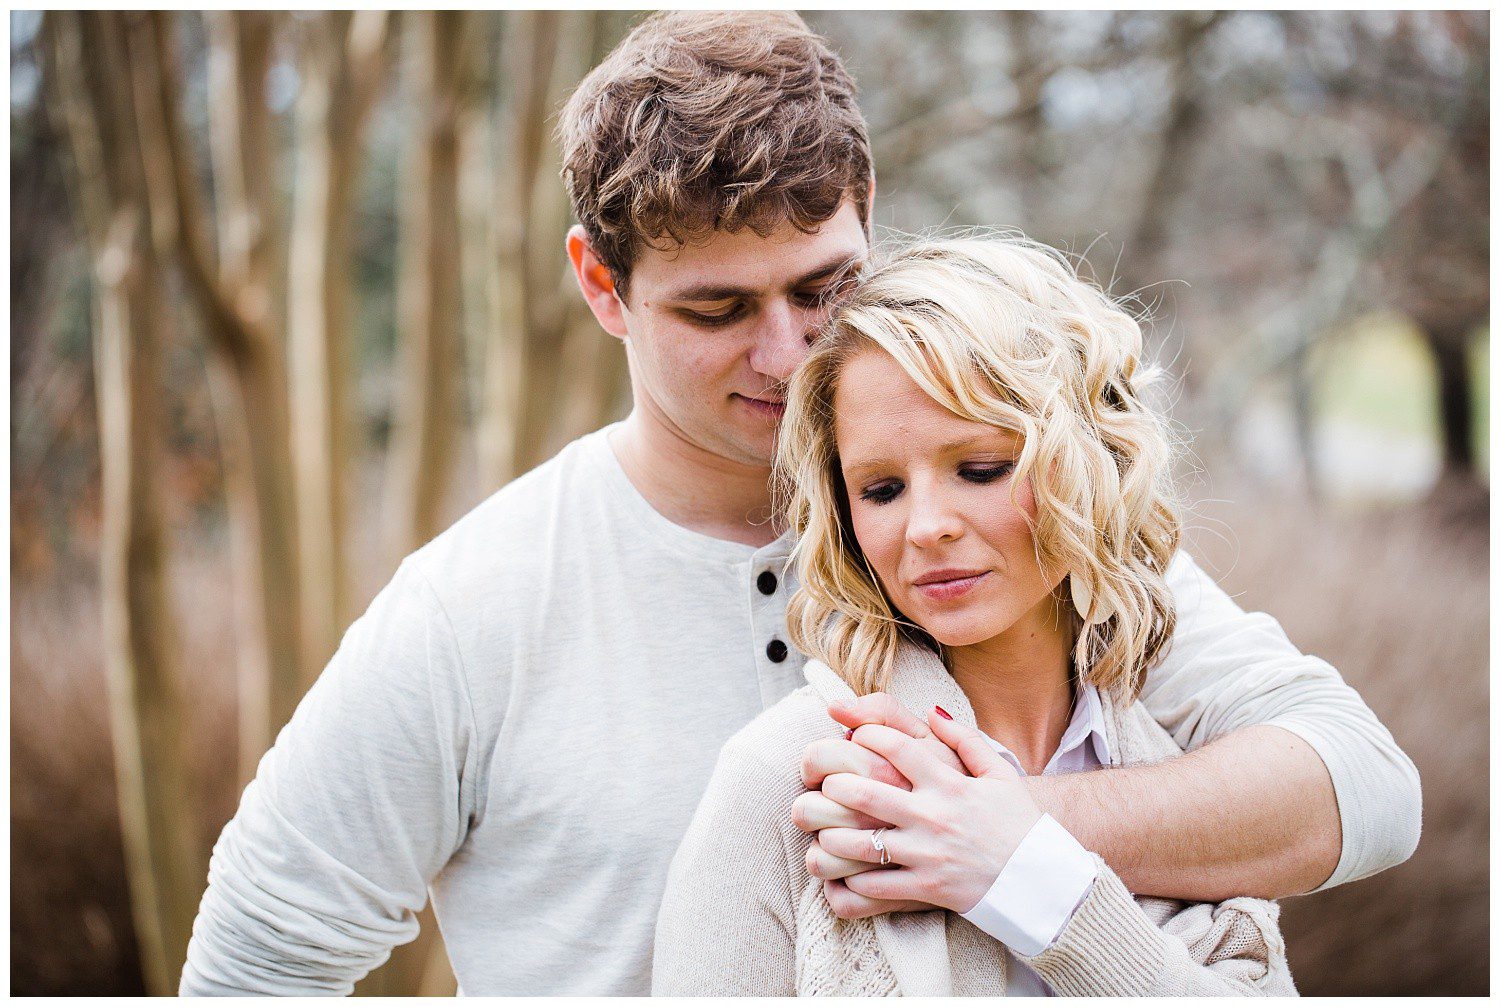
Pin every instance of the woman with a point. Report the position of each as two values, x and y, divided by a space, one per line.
983 530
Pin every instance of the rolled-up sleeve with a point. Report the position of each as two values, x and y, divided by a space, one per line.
1228 669
365 796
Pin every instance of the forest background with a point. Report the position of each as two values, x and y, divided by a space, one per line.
288 296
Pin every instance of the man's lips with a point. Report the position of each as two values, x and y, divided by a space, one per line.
771 407
944 585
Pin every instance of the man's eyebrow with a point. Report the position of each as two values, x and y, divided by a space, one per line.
726 291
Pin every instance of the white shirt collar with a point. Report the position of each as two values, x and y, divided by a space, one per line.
1085 724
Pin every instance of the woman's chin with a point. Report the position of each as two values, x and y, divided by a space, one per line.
956 635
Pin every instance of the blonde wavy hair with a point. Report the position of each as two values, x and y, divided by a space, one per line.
1002 331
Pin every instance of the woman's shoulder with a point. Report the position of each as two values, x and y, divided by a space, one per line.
777 737
759 771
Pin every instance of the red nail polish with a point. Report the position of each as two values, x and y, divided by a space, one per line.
943 713
849 734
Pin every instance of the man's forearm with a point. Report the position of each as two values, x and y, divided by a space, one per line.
1253 813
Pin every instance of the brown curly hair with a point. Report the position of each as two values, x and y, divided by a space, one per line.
703 121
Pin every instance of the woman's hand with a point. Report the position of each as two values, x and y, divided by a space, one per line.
949 836
813 811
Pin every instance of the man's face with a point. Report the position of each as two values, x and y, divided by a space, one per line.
716 328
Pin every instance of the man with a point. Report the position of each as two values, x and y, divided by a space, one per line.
524 719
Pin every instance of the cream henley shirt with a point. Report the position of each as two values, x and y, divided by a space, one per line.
521 725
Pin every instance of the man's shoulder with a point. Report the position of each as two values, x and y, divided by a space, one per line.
510 535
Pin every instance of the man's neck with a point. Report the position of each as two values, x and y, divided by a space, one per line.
693 487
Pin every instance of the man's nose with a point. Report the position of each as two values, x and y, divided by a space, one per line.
783 340
930 519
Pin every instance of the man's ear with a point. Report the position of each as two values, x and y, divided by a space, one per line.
597 285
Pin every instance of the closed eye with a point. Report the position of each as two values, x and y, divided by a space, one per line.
882 493
722 317
813 298
986 473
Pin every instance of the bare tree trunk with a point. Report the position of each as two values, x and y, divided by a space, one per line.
343 61
250 387
241 145
1455 401
1171 159
422 445
440 48
477 188
163 856
233 289
529 404
507 422
584 392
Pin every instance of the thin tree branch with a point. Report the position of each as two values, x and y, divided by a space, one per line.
178 220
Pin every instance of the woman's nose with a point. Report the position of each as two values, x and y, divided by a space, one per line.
931 520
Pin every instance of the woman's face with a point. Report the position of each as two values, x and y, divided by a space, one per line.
930 495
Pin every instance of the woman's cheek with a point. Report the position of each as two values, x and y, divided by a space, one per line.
1026 499
880 535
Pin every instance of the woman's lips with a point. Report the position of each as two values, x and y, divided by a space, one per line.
948 588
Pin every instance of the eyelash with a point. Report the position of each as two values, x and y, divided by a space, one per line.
884 493
810 300
713 320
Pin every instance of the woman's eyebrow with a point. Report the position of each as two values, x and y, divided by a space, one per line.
862 466
985 440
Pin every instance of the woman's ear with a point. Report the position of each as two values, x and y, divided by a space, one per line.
596 283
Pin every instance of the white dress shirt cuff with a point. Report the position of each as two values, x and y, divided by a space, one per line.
1038 890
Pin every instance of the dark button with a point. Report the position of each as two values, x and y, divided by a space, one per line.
766 582
776 651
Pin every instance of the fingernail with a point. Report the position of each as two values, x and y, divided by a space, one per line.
943 713
849 734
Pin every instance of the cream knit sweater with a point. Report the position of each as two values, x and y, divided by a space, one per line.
742 916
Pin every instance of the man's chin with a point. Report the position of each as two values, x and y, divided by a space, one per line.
755 447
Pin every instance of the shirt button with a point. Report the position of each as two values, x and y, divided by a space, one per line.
766 582
776 651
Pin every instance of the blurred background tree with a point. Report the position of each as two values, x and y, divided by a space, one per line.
289 296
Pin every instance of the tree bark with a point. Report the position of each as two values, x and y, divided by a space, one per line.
241 146
428 294
1455 401
233 289
528 404
163 856
343 61
508 417
1172 158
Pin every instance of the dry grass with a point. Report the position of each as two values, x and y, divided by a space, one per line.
70 918
1399 603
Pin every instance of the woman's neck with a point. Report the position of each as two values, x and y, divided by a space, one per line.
1020 684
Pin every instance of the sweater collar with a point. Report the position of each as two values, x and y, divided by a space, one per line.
916 944
919 681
